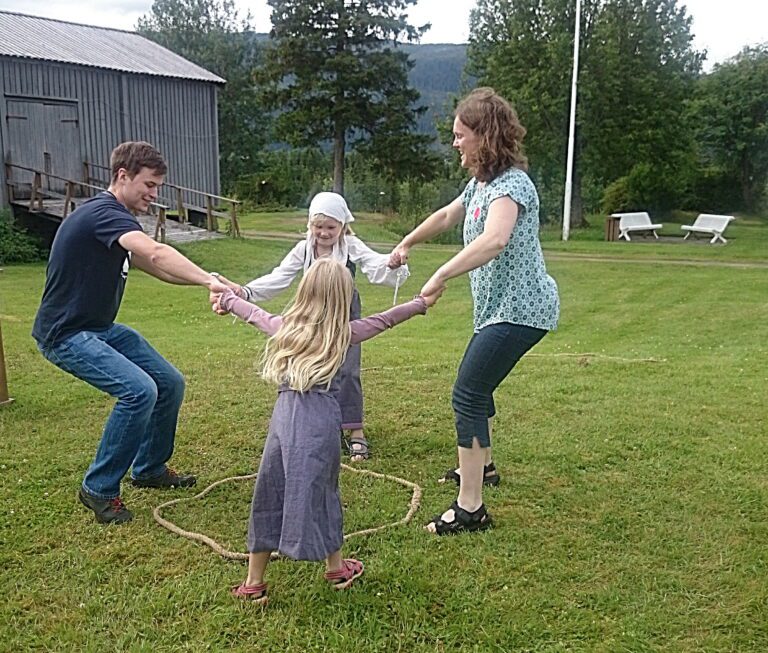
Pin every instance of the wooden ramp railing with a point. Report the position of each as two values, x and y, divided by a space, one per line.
53 203
202 202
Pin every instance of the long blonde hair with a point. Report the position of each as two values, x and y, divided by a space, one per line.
310 345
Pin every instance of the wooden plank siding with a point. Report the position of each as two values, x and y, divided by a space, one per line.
178 116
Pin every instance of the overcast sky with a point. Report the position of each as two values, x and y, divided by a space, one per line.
722 28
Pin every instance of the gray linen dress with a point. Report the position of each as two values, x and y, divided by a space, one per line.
296 507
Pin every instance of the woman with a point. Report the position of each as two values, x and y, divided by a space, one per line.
515 300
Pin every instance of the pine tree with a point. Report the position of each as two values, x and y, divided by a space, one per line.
336 72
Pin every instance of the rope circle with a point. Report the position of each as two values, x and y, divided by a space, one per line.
157 513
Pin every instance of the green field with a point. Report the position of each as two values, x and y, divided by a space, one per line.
632 514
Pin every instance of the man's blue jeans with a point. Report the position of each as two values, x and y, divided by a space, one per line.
149 390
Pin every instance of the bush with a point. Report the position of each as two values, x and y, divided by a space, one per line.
417 201
16 245
646 188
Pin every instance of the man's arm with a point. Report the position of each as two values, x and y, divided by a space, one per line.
166 263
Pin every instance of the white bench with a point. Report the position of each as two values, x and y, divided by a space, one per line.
639 221
710 224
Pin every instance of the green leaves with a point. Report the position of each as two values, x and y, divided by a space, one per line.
210 33
637 68
731 118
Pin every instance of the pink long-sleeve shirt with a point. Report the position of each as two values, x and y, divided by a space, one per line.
362 329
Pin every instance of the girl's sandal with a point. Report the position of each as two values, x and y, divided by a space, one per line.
463 521
342 578
253 593
358 448
491 477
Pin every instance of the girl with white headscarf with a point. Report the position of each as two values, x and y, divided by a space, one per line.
329 235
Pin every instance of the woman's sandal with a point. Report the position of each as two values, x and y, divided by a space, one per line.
463 521
342 578
491 477
358 448
253 593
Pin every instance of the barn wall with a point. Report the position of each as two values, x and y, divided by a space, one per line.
177 116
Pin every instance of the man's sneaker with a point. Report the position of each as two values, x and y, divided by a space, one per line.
107 511
168 479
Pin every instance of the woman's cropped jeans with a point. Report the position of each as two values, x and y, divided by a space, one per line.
490 356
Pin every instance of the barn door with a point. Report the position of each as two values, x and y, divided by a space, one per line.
45 136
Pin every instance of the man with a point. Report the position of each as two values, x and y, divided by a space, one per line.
75 329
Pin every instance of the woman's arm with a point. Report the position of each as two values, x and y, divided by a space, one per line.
501 220
250 313
441 220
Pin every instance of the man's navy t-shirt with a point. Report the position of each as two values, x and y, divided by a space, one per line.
86 272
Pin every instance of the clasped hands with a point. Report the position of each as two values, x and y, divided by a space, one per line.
434 287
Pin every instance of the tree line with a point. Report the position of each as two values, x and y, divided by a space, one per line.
325 102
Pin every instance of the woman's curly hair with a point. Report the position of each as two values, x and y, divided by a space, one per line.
496 124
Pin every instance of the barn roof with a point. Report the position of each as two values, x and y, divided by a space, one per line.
46 39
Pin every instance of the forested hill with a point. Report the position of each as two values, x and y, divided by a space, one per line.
438 75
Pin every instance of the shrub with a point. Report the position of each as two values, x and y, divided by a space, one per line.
16 245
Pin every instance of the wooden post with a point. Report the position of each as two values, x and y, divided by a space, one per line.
235 226
209 211
180 206
36 183
160 226
9 181
67 199
5 400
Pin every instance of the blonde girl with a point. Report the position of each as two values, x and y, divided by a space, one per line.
296 507
329 235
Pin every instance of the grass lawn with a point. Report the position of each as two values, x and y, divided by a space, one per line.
631 514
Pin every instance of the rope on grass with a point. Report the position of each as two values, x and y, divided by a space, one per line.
583 358
157 513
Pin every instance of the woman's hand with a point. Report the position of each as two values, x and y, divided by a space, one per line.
399 256
431 300
435 286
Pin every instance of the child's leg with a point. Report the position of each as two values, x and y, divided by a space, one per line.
253 588
351 394
257 564
340 572
333 561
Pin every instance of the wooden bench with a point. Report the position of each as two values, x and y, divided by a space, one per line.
638 221
710 224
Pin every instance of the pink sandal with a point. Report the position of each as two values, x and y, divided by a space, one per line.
255 593
342 578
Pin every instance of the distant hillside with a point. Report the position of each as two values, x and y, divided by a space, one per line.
437 74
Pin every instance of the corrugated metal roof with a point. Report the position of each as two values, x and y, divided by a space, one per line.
33 37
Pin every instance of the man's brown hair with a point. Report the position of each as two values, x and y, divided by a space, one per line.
132 156
494 120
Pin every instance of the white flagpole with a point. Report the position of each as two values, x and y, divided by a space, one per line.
571 128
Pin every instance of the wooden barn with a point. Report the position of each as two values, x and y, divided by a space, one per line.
71 92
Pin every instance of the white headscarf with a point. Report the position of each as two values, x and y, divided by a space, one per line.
333 206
